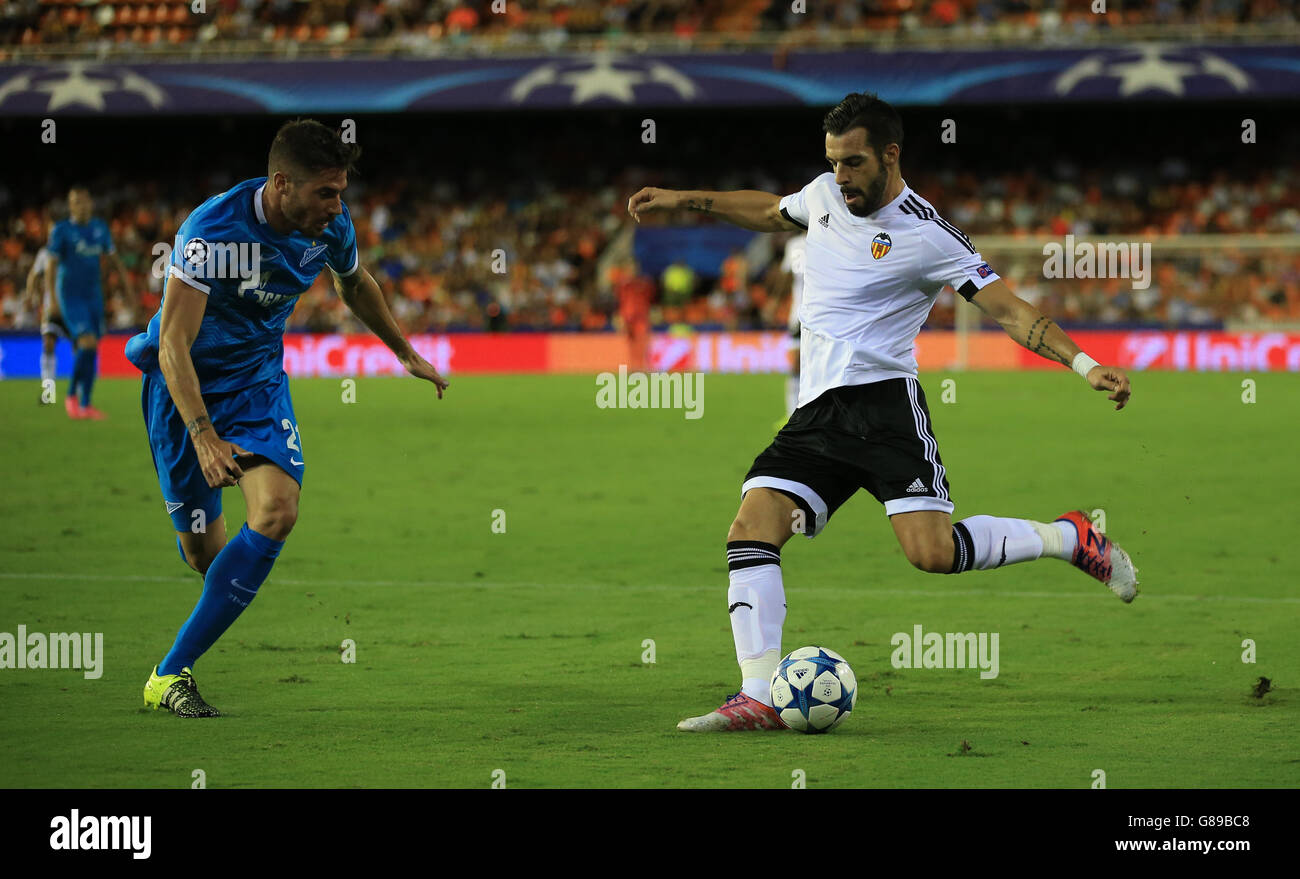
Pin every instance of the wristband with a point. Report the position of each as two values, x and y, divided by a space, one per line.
1083 364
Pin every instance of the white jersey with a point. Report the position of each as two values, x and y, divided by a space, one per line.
870 282
792 264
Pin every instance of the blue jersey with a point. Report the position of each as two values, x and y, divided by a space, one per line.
252 276
78 248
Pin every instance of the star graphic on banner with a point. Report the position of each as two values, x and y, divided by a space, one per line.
79 83
77 88
601 79
1153 69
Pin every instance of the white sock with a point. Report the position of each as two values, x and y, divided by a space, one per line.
791 394
756 604
48 362
1059 539
994 542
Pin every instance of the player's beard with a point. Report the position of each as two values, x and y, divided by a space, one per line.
871 198
294 213
302 218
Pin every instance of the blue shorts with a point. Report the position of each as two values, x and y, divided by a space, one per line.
259 419
82 315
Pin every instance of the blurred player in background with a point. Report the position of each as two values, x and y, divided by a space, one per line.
792 265
40 297
215 396
877 255
76 251
635 293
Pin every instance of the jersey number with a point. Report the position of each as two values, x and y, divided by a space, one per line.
294 436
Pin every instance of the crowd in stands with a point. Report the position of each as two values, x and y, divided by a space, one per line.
450 259
411 23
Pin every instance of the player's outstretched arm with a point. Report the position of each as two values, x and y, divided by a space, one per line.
35 281
1036 332
747 208
182 315
129 297
51 280
361 294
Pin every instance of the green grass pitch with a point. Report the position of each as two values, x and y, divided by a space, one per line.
521 651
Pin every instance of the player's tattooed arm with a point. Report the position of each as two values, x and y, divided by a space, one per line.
746 208
1036 340
198 425
1029 327
182 316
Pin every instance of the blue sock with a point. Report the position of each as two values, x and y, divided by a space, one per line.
87 359
80 374
76 373
231 584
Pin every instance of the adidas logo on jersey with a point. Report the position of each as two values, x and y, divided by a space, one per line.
826 221
916 486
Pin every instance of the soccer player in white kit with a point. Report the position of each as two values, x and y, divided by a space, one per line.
51 320
792 265
877 256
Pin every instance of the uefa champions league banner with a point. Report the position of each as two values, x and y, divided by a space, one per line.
608 80
318 355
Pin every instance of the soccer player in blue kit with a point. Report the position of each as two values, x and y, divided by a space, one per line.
75 250
215 396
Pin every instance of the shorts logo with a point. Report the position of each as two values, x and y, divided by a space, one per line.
916 487
173 506
880 245
984 271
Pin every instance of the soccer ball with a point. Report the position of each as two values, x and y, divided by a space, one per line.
814 689
196 251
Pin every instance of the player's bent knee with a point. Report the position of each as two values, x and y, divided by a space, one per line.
761 521
276 519
931 559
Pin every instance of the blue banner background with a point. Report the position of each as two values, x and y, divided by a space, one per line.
1145 72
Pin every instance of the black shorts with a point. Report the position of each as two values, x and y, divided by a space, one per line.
875 436
54 326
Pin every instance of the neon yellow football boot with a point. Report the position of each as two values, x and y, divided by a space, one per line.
178 694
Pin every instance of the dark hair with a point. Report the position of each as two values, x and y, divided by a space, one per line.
304 146
865 110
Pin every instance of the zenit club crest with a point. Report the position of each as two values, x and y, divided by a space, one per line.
880 245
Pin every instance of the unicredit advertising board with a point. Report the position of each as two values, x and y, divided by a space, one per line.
335 355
